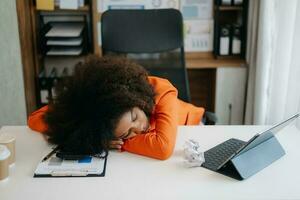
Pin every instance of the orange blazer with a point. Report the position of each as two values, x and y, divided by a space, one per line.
168 113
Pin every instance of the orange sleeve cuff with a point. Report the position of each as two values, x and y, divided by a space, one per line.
36 121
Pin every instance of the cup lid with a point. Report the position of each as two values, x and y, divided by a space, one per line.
4 139
4 152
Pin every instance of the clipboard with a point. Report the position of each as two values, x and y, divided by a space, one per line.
88 166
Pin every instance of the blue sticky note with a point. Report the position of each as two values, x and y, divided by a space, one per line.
86 159
189 12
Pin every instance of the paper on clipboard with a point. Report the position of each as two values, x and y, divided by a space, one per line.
88 166
68 4
104 5
198 35
197 9
121 4
159 4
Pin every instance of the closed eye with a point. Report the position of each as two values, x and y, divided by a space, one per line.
133 116
125 136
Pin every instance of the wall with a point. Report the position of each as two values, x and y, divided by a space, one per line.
12 98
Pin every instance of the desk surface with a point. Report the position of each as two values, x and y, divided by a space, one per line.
130 176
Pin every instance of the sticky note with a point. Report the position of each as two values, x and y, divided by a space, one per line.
45 4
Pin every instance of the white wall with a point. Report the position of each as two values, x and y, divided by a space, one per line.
12 98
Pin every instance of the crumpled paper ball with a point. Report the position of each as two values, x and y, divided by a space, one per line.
192 153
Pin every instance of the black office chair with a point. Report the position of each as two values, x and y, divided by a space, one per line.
152 38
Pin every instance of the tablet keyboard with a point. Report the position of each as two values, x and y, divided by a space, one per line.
218 155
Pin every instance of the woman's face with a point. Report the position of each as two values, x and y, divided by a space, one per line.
132 123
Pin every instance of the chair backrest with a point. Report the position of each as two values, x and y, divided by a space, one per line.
152 38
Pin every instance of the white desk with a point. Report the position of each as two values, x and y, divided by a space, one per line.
130 176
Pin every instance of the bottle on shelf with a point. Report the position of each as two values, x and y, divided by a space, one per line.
224 38
44 88
53 79
236 40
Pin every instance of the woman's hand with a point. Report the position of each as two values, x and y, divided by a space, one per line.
116 144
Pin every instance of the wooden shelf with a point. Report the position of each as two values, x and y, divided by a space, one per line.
213 63
57 9
229 8
206 60
84 8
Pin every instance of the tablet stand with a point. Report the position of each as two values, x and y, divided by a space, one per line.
253 160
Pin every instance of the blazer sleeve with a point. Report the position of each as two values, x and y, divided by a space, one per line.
158 143
36 121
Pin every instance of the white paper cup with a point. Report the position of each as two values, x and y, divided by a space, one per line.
10 143
4 162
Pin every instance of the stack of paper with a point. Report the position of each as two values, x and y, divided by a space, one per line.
73 51
65 39
65 42
65 30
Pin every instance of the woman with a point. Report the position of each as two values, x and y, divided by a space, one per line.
111 102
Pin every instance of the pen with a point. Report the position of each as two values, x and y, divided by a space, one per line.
49 154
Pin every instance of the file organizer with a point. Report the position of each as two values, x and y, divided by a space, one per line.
60 37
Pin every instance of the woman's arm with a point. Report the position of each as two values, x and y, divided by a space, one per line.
36 122
160 142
